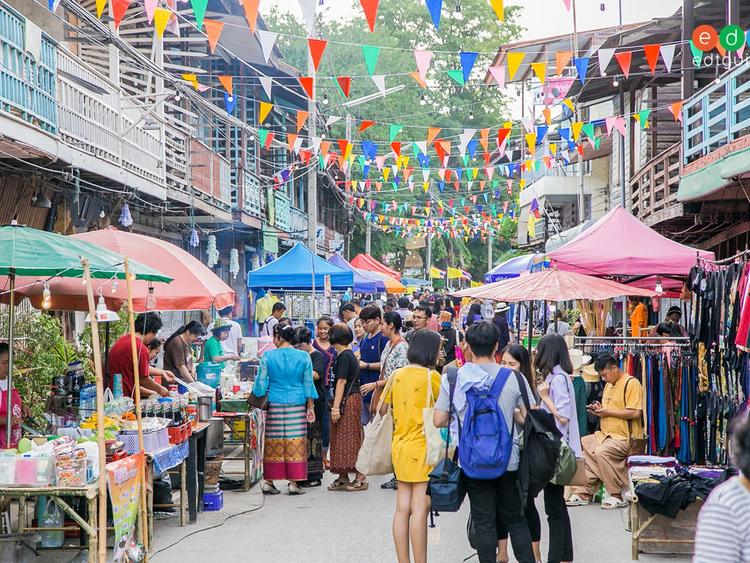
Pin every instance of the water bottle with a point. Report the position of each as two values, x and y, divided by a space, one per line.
117 386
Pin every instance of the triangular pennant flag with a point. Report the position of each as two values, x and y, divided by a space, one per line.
484 136
514 61
652 55
418 79
582 66
531 142
432 133
588 128
643 116
149 6
498 73
324 146
291 138
379 81
365 124
251 12
562 59
161 19
620 125
267 41
497 6
229 102
316 47
264 108
467 58
301 119
697 54
569 104
423 58
316 144
345 84
457 76
263 136
540 71
308 85
502 138
119 7
624 60
193 79
199 10
370 8
435 6
547 113
577 126
371 53
609 123
605 56
213 32
667 55
227 83
395 129
269 140
267 83
676 110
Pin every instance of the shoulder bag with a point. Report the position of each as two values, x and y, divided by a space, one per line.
567 463
378 391
374 457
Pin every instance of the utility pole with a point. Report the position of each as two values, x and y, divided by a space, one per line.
312 175
623 183
582 194
428 265
490 241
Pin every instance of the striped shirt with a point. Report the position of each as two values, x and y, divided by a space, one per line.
723 533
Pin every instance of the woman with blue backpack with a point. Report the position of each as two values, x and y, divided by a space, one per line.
558 398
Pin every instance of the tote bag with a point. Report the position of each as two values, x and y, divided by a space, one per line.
374 457
435 450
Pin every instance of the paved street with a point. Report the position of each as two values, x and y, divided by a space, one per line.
354 528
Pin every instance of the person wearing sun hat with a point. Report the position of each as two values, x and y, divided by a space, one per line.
500 320
212 349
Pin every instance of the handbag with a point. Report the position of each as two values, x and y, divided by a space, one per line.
374 456
566 465
378 391
445 485
434 451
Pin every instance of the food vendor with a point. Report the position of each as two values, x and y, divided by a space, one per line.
19 410
212 350
147 326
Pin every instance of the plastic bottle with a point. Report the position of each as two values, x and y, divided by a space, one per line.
117 386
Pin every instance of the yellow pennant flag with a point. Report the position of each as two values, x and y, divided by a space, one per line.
540 70
497 5
386 173
263 111
531 142
522 183
553 148
425 186
399 160
192 78
161 19
100 4
569 103
508 125
514 61
532 227
577 126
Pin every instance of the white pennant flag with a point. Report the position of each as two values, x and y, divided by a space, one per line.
422 146
267 42
464 139
605 56
267 83
333 119
316 144
425 175
379 81
528 124
308 13
297 144
667 54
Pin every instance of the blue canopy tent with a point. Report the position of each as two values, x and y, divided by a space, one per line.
414 282
513 267
364 282
295 269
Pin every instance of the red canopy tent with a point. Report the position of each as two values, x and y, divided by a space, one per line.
367 262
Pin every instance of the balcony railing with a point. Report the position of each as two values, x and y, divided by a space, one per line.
718 114
283 214
27 72
210 173
299 223
654 187
252 194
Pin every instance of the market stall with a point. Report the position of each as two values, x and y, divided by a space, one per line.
367 262
364 281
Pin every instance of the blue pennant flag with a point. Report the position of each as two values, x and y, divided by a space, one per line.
441 186
434 6
582 65
541 131
468 58
424 160
472 147
369 149
366 170
565 133
512 167
230 102
459 172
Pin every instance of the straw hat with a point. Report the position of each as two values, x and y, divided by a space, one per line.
578 359
590 375
501 307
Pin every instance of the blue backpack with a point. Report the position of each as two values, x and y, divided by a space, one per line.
485 442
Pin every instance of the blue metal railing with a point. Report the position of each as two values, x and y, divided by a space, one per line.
718 114
27 86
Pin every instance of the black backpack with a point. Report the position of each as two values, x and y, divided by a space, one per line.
540 448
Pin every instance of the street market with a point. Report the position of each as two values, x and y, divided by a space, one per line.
371 281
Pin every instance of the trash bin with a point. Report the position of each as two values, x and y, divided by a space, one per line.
18 548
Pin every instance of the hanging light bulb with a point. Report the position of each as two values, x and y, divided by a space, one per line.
471 115
150 298
615 82
422 99
659 289
46 297
102 215
325 99
114 286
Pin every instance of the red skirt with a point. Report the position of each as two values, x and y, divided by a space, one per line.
346 436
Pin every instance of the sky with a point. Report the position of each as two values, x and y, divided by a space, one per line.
543 18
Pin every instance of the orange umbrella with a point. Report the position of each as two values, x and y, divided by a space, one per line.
194 287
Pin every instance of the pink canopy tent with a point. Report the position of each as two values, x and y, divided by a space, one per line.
619 244
367 262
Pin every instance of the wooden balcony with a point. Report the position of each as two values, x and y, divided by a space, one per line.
653 188
210 174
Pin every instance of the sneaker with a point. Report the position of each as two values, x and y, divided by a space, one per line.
390 484
269 489
295 489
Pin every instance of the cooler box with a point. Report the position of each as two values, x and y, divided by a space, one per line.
209 374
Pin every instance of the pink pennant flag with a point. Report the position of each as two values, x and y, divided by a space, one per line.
380 161
567 4
620 125
423 59
498 73
150 6
610 123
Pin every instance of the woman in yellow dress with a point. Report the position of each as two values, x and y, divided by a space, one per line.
414 387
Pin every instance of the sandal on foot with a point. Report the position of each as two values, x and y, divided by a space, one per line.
613 503
576 500
338 485
295 489
358 486
268 489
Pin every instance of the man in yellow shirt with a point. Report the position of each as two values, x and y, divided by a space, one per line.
263 307
606 452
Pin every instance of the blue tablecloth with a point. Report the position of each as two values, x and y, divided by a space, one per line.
170 457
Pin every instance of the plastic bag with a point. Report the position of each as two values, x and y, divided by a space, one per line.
52 518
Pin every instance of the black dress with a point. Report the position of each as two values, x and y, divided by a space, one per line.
315 430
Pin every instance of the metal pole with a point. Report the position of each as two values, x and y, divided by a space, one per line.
428 265
368 237
312 175
582 194
530 323
9 393
489 252
623 183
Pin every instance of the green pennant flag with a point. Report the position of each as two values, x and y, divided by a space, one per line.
416 150
361 160
466 160
262 136
457 76
588 128
643 116
395 186
394 130
321 163
697 54
597 143
199 11
495 183
371 54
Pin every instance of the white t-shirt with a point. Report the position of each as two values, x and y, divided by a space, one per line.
268 327
724 525
235 333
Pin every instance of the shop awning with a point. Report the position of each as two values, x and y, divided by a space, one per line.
295 270
714 177
367 262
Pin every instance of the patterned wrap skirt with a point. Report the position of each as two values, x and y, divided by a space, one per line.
346 436
285 447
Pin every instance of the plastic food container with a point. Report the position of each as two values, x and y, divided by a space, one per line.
26 470
71 473
8 470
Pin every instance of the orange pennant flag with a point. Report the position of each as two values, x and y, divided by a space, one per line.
432 132
291 138
562 58
547 115
676 110
301 119
227 82
418 78
213 32
251 12
652 55
365 124
324 146
263 111
484 137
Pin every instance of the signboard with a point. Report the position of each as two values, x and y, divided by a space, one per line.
124 483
